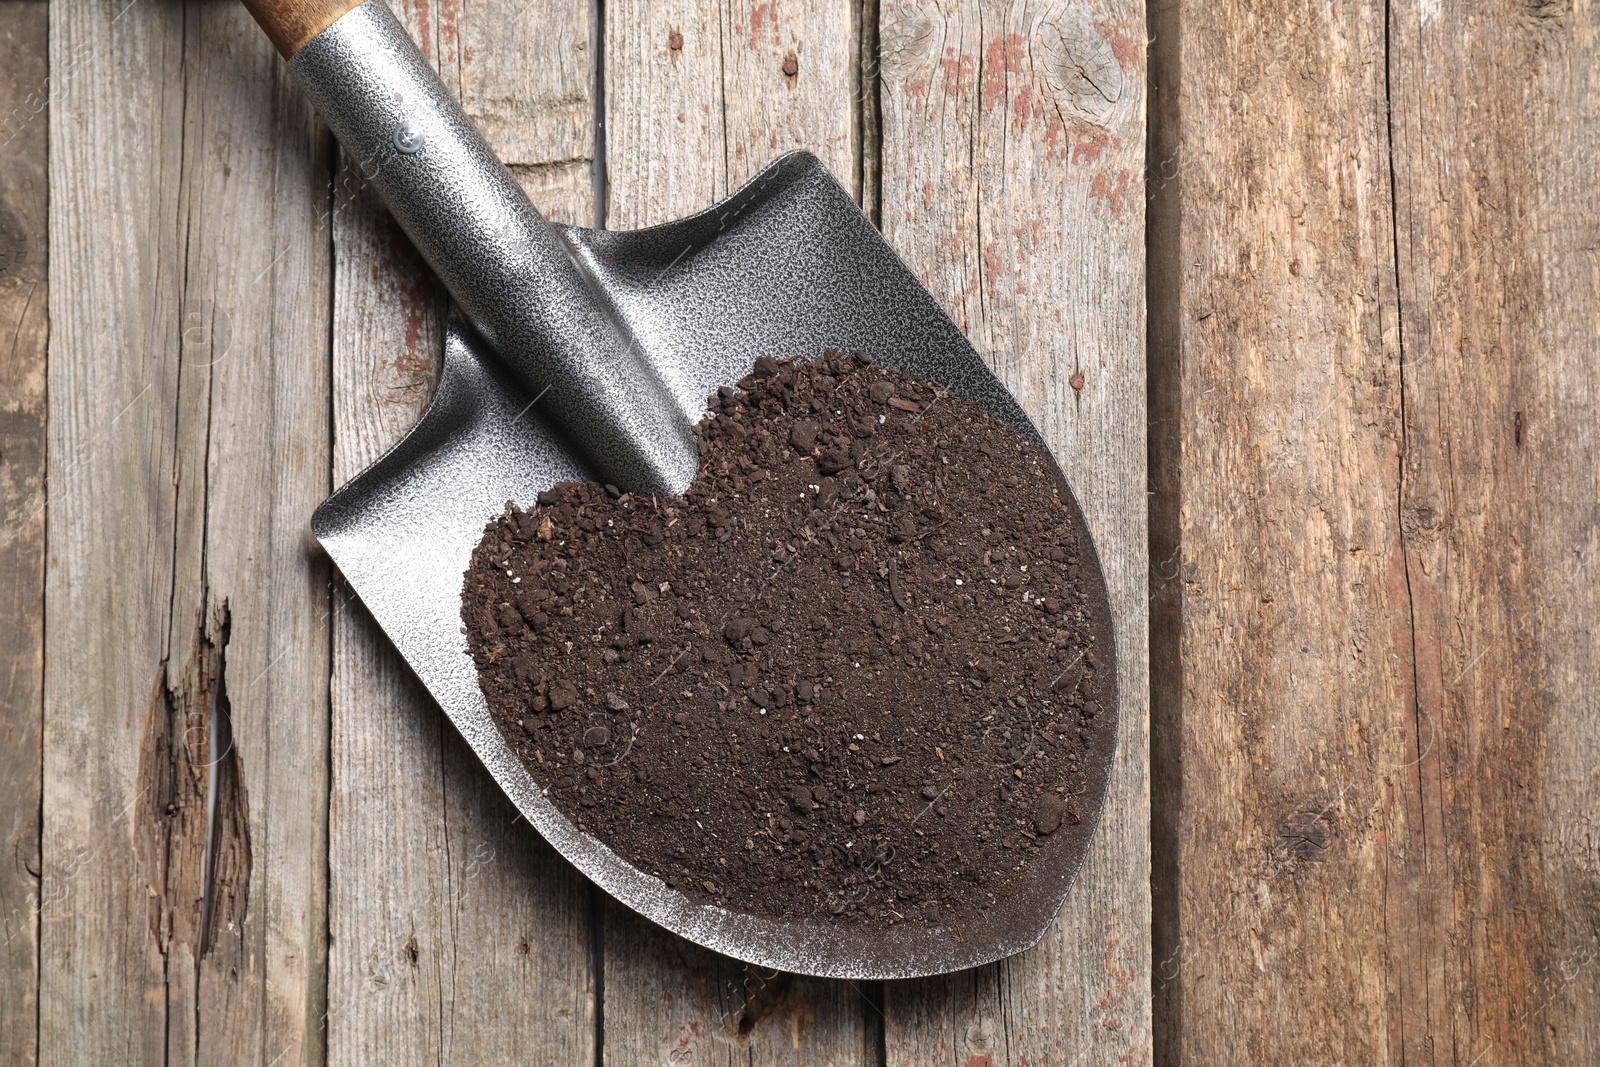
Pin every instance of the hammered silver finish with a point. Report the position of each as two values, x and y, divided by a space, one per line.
786 266
508 270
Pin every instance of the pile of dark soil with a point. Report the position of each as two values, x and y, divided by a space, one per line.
853 673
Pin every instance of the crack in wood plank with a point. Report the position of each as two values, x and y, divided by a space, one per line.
190 444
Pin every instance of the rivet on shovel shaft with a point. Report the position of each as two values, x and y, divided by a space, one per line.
409 138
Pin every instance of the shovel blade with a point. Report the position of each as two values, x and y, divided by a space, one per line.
788 266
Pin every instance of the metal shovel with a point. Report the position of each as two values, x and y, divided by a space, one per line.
579 354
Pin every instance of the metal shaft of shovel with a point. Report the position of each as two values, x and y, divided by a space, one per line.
508 271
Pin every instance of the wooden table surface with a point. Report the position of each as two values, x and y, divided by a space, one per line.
1305 297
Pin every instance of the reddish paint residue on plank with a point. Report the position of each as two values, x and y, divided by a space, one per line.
1026 105
1124 989
760 16
981 1059
449 27
1022 107
1089 151
992 266
401 271
424 38
1126 47
1053 131
1004 56
917 95
1113 192
958 69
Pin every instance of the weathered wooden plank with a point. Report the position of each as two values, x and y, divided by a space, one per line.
670 1001
541 123
1293 719
665 129
255 316
1490 839
1013 152
188 441
789 80
699 97
24 245
114 318
458 935
1388 460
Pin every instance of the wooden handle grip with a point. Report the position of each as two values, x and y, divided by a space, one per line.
292 23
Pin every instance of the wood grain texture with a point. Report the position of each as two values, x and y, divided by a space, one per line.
112 386
458 935
666 133
1375 432
1294 637
1385 344
697 102
24 330
1013 152
669 1001
1493 837
254 341
188 441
